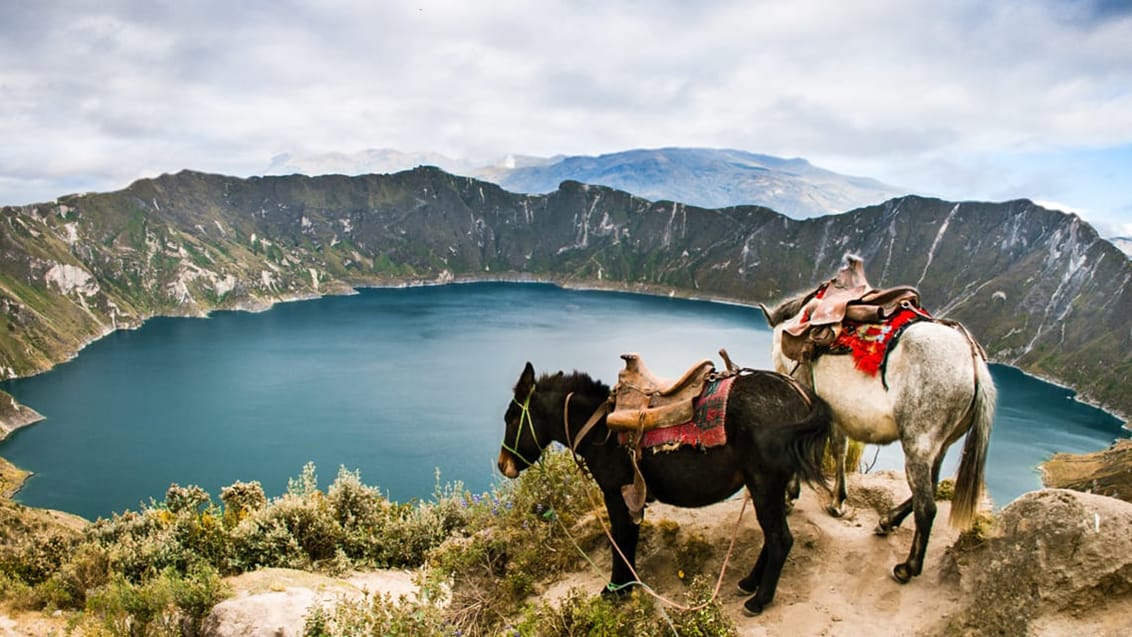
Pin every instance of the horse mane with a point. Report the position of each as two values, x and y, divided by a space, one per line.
578 382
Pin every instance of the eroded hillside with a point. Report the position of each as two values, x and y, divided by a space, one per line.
1039 288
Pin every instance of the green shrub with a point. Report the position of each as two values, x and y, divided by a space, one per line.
196 594
241 499
33 559
124 608
945 490
638 616
523 532
379 616
158 571
180 499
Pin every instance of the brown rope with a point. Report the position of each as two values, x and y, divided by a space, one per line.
601 411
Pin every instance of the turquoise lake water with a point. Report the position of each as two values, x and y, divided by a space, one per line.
399 384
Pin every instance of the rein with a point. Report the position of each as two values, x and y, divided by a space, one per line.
602 410
598 414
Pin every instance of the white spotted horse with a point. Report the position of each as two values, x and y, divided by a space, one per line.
929 388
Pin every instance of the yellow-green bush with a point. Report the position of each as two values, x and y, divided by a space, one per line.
157 571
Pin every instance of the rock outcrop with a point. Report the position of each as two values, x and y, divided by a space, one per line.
1059 563
1105 472
13 415
274 602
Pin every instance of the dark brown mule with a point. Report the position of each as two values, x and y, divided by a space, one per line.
775 430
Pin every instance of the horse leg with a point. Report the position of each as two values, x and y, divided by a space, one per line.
923 506
889 521
770 507
793 492
624 535
896 514
838 444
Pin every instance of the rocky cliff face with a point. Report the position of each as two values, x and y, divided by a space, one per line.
1105 472
1039 288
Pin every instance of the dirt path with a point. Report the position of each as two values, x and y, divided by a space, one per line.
836 580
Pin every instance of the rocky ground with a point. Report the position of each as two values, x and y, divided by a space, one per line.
1057 563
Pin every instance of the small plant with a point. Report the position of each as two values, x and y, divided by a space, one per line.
945 490
379 616
241 499
190 498
706 617
981 529
853 452
640 615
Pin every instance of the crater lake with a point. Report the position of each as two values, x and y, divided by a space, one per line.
408 386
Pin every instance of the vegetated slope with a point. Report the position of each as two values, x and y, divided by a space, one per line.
1038 288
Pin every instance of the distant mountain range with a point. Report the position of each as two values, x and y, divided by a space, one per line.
1039 288
705 177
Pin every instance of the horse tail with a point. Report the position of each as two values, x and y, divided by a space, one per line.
800 446
969 482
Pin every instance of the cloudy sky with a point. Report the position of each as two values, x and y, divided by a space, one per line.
963 99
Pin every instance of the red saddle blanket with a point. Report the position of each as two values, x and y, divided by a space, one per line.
869 342
706 429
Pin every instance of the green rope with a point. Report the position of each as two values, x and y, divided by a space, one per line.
524 418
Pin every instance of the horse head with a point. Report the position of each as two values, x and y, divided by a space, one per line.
521 446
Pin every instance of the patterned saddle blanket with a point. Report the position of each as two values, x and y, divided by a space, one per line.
705 429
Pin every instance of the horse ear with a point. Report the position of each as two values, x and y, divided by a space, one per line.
767 313
526 381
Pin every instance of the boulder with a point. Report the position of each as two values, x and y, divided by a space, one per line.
1058 560
274 602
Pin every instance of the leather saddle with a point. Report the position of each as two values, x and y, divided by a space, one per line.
644 401
846 297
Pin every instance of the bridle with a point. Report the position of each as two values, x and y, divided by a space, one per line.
524 418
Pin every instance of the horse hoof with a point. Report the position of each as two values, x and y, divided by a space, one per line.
901 573
744 590
616 592
835 511
882 530
753 608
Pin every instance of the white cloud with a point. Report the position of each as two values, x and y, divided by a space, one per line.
915 92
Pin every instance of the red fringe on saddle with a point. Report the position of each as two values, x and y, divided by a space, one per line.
706 429
869 342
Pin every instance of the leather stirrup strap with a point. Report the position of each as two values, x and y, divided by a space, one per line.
635 494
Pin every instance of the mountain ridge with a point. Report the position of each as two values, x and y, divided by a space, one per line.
705 177
1039 288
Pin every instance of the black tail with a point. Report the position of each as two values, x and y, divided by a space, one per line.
798 447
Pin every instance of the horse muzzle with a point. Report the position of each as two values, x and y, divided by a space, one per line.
507 465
